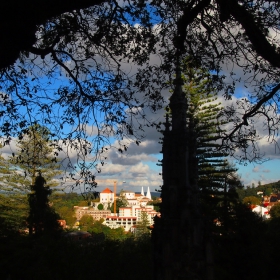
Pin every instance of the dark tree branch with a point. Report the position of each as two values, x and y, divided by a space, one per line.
46 51
19 21
189 14
254 33
253 111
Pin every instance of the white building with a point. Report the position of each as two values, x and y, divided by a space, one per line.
128 216
107 196
96 214
128 194
261 211
116 221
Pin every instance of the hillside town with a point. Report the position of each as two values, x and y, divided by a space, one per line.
268 202
136 209
137 206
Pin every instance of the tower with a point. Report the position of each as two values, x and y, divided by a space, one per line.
148 194
178 234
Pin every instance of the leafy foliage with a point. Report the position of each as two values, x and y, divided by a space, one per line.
142 225
13 213
73 78
41 218
86 222
44 257
63 204
216 178
260 190
100 206
275 211
252 200
35 156
97 228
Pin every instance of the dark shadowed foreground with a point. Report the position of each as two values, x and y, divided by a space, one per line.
248 249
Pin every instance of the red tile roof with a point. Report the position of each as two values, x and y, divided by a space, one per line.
107 191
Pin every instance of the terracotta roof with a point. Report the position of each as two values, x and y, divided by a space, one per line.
120 218
107 190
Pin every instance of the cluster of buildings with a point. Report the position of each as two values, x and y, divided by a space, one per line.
267 203
129 216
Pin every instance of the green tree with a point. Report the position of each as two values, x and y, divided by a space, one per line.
219 33
100 206
83 203
35 156
13 204
13 213
19 173
80 97
42 218
252 200
142 226
247 192
10 181
63 204
267 191
67 214
86 223
216 177
116 234
275 211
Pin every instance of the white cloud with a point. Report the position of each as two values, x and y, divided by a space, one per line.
139 169
112 169
129 178
256 169
266 171
260 169
8 149
126 159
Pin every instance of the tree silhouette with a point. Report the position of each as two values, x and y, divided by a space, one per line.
87 50
42 218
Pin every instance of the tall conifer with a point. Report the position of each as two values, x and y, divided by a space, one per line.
217 178
35 156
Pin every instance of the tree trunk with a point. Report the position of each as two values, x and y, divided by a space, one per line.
178 235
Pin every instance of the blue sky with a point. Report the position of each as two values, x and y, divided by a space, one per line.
138 166
266 172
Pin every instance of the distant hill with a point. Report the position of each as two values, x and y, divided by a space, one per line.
267 189
274 185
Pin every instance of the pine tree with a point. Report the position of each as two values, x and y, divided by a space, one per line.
13 204
42 218
35 157
17 176
142 225
216 177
